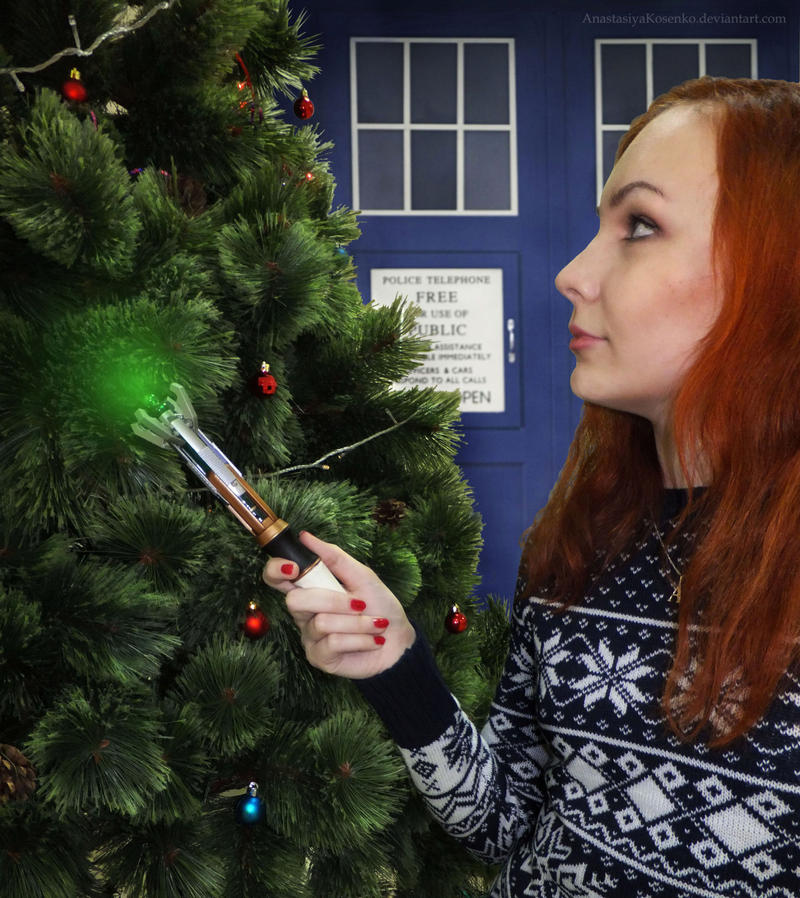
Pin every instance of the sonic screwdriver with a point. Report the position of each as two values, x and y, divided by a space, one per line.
174 425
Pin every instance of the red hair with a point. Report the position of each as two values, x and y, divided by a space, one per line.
739 617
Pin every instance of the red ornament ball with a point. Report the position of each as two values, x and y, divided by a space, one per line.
73 88
303 107
256 623
456 621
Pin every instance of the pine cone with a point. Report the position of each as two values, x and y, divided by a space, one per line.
17 776
390 512
192 195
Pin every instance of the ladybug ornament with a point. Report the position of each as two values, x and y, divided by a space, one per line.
263 384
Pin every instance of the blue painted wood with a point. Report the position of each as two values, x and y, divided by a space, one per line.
512 458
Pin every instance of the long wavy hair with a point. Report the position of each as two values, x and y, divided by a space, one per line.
739 616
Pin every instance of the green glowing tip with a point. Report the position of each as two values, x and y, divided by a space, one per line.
155 406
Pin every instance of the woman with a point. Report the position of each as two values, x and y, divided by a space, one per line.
645 736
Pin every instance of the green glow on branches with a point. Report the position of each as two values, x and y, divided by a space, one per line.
119 382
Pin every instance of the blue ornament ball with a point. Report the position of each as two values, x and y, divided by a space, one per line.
250 808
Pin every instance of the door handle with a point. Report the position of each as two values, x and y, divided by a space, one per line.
512 352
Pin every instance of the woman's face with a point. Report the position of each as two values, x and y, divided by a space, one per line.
642 291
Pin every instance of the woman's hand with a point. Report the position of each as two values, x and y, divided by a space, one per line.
355 634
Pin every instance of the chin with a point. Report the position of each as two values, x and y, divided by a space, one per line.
581 387
603 398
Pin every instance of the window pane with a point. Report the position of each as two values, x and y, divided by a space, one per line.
433 83
380 169
433 169
673 64
486 84
379 70
611 141
728 60
486 170
624 83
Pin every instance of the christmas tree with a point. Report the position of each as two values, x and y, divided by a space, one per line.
166 217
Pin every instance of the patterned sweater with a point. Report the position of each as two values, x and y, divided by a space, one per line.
576 785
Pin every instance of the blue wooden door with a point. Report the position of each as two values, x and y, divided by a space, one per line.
474 137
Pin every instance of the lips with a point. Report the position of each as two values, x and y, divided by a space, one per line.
582 339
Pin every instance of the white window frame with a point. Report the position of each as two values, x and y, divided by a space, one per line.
701 43
459 126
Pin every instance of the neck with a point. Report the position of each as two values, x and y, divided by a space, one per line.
671 471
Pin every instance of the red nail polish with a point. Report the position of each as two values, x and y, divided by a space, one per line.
287 569
357 604
381 622
380 640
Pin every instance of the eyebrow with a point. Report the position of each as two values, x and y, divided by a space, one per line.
619 195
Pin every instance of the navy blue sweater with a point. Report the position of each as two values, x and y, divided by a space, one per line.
576 785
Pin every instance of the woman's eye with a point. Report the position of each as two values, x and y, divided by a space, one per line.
639 227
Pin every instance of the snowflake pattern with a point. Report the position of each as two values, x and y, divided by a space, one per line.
550 654
613 677
577 786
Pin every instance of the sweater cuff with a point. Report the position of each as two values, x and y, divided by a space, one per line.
411 697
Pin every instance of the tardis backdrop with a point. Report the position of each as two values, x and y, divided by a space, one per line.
475 137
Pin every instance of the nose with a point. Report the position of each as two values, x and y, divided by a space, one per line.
579 280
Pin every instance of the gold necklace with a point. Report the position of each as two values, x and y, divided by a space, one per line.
676 587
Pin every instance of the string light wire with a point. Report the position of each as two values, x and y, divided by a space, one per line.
344 450
77 50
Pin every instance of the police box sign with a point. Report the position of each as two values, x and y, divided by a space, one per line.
461 313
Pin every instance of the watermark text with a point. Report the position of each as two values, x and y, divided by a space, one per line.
681 18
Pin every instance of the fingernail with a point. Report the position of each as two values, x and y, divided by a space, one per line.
381 622
380 640
287 569
357 604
